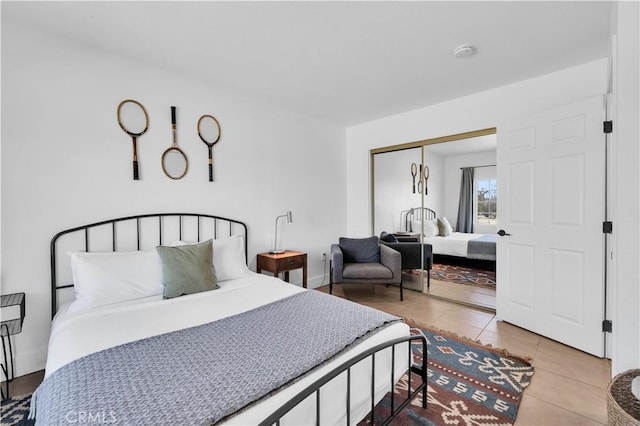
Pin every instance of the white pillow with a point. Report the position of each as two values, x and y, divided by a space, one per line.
430 228
112 277
228 258
415 225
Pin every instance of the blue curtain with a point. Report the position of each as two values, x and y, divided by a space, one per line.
465 208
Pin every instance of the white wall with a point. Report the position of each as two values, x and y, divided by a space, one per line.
474 112
393 189
65 162
626 192
437 194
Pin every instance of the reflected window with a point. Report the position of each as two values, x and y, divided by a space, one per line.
486 201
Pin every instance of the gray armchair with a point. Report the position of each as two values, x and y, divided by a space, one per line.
365 261
410 253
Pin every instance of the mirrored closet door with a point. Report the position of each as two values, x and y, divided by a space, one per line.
450 205
398 187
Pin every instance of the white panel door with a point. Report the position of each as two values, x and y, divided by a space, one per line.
551 191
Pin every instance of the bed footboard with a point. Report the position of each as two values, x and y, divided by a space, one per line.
421 370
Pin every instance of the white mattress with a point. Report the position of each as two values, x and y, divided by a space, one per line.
452 245
74 335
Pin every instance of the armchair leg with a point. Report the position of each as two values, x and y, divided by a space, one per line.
428 278
401 298
330 277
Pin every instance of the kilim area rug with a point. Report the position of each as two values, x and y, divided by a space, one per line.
15 411
463 275
468 384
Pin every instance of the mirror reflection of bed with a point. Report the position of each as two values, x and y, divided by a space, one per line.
464 260
464 265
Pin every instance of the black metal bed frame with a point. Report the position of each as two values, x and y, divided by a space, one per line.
420 213
314 387
54 279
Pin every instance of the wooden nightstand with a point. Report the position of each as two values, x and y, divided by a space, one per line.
283 262
9 328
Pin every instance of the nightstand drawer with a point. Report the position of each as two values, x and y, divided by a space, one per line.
289 263
283 262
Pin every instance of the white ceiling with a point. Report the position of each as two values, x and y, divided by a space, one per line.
347 62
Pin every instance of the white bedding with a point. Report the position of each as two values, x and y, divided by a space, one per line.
76 334
452 245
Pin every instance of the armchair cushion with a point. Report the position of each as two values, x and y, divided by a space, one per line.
366 271
360 250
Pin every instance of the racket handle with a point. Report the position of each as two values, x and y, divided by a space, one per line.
210 172
135 170
173 115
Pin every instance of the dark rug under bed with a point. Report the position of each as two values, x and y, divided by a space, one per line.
463 275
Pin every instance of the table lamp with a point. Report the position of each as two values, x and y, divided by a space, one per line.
275 244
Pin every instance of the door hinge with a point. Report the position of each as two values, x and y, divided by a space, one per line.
607 326
607 227
608 126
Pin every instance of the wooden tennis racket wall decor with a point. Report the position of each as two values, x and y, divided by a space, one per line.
209 132
174 161
423 177
134 121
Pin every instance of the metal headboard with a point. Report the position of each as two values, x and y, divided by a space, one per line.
418 213
235 227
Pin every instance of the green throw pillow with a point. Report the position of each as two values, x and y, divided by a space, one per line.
444 227
187 269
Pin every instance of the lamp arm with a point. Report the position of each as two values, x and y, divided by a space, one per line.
275 242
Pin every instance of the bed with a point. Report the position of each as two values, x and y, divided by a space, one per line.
457 244
211 356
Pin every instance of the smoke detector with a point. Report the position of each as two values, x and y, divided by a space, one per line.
464 51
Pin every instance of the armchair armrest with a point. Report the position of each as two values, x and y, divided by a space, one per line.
337 263
410 253
392 260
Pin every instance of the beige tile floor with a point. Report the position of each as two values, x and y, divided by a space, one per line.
568 387
484 297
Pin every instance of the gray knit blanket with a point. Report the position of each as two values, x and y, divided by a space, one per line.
201 375
483 248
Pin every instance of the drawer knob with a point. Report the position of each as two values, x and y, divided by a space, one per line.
291 262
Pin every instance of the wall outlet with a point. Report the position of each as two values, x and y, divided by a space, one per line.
323 257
